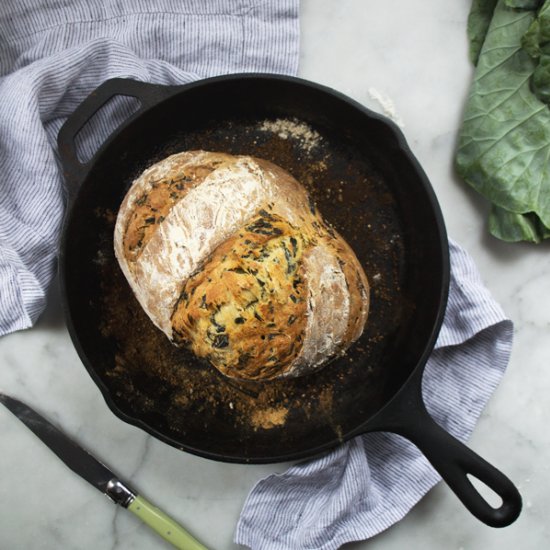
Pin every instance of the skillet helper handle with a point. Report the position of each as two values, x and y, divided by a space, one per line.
164 525
147 94
454 462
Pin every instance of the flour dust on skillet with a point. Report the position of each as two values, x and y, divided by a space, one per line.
186 400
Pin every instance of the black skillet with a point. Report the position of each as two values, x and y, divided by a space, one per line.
366 182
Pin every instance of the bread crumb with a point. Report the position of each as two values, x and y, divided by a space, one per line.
325 401
269 418
293 129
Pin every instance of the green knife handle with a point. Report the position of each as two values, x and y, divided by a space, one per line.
164 525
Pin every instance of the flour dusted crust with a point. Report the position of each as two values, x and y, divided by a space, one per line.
228 256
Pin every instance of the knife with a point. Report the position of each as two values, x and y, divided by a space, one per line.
97 474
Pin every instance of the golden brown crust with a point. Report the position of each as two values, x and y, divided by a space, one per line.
245 309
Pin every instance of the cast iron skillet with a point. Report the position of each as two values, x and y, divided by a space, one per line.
366 182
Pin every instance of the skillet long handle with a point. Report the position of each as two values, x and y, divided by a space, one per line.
407 415
147 94
454 461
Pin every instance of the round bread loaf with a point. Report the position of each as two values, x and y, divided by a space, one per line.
229 257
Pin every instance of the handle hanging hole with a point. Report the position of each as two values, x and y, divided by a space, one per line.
492 498
102 124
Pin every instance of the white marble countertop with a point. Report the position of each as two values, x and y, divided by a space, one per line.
415 53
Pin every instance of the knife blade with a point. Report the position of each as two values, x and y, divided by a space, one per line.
98 475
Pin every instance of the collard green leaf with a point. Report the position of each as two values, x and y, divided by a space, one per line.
530 40
523 4
504 143
536 42
511 227
541 80
479 19
544 19
537 37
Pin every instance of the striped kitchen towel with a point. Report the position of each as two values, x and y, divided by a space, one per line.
371 482
53 54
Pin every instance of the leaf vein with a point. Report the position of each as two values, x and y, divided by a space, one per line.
500 103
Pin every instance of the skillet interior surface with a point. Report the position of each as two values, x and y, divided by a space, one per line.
364 184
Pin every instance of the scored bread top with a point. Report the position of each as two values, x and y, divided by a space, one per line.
189 236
